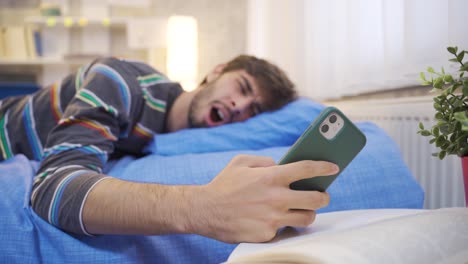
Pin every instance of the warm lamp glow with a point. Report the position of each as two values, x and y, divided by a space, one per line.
182 50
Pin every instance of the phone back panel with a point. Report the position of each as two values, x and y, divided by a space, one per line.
312 145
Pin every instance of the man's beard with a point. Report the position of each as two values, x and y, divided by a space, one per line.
196 105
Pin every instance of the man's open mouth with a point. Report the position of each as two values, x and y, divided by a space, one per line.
219 114
216 115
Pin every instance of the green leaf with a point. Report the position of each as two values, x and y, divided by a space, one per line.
432 141
444 128
430 69
445 92
443 100
464 67
443 70
425 133
435 131
448 78
440 141
448 89
421 126
422 76
453 50
452 137
463 139
460 56
450 129
445 145
465 88
460 116
442 154
465 126
453 60
451 148
452 99
439 116
439 82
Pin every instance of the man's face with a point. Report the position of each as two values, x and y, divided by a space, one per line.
232 97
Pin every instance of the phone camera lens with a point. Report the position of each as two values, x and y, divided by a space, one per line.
324 128
332 119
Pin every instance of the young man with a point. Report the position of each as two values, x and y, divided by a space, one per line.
113 107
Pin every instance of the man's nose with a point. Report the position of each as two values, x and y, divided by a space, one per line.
242 109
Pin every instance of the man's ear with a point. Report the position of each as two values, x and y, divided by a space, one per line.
213 74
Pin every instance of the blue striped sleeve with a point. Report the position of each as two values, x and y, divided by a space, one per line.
103 111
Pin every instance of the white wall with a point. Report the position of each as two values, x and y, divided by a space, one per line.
221 24
333 48
275 31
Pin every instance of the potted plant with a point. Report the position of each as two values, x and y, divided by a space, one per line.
450 133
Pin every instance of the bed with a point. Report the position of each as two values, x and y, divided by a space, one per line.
377 178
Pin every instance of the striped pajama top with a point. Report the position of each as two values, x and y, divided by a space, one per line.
73 127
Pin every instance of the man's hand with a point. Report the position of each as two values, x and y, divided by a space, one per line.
251 199
247 202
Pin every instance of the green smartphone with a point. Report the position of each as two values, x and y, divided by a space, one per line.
331 137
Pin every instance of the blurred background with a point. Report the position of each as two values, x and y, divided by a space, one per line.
192 36
364 56
331 49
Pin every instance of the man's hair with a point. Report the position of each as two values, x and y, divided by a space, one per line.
275 86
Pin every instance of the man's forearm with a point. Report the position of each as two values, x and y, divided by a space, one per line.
114 206
248 201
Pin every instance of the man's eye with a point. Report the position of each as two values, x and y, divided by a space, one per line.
255 110
243 90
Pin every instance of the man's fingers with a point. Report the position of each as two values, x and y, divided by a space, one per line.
305 169
307 200
299 218
252 161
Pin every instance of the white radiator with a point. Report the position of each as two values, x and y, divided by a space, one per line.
442 181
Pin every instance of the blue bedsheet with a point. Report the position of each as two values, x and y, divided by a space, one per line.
26 238
377 178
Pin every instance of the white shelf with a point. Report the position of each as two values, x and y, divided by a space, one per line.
73 21
96 36
42 61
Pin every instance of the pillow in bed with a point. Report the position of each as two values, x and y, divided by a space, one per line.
271 129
